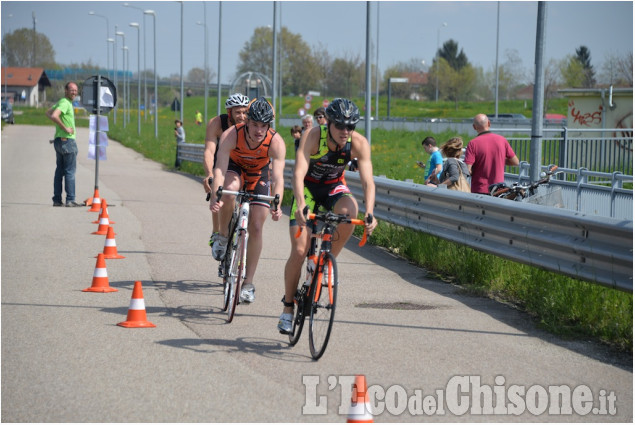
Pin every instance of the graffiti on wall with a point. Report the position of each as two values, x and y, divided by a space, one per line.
592 118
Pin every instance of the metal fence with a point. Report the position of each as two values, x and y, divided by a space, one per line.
593 151
584 191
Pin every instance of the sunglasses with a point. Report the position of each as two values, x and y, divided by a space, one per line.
349 127
319 117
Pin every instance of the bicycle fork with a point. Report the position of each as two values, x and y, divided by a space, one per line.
243 224
322 270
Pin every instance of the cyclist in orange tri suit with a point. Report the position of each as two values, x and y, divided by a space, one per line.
236 106
244 157
318 181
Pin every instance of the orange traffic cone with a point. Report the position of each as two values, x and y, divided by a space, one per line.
110 246
104 207
104 223
96 202
100 277
359 411
137 311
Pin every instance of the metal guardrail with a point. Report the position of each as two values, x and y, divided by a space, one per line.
597 249
593 248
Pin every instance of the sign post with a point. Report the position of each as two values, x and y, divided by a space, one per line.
99 95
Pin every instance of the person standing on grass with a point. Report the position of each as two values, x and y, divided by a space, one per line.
487 155
63 115
435 162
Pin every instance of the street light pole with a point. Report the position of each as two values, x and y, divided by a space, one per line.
136 25
154 25
182 100
205 73
498 17
112 41
123 67
218 90
114 65
436 96
92 13
145 77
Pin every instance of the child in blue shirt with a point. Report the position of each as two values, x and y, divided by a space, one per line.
435 162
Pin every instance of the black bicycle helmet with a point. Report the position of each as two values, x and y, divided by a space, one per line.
342 111
260 110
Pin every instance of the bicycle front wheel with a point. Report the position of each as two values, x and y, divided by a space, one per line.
323 298
301 301
236 269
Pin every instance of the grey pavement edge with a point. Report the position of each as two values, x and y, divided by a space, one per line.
64 359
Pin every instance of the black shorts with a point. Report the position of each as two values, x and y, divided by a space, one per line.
319 195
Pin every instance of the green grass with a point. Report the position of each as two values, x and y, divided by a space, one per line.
566 307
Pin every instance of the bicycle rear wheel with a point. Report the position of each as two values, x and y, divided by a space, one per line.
236 273
323 297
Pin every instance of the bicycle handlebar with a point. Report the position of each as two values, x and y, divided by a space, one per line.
275 199
330 217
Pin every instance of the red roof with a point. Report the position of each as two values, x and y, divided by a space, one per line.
416 77
24 77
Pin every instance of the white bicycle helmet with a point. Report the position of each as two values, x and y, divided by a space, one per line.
236 99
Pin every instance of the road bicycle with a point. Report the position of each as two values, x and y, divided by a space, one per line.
524 192
316 296
233 265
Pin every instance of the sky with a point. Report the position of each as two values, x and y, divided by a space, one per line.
407 30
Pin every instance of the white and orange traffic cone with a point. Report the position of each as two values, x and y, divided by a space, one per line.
110 246
359 411
104 207
137 311
100 277
95 203
104 223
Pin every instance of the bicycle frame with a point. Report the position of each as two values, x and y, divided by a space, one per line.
234 265
519 192
308 295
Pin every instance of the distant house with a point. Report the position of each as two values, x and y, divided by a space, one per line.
417 81
24 85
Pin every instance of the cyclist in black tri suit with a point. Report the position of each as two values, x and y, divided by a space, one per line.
237 106
318 181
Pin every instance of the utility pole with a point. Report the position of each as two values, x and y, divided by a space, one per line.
34 41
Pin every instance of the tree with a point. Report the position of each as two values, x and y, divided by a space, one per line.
617 70
583 55
450 52
197 75
572 72
26 48
345 77
452 70
552 81
300 70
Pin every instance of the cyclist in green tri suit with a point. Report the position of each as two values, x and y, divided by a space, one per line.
318 181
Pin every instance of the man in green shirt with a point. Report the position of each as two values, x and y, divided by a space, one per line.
63 115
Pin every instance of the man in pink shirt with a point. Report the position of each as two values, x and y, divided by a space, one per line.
487 155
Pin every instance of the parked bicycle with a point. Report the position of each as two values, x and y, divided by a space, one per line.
233 265
316 296
519 191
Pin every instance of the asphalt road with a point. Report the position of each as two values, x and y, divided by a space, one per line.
65 360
